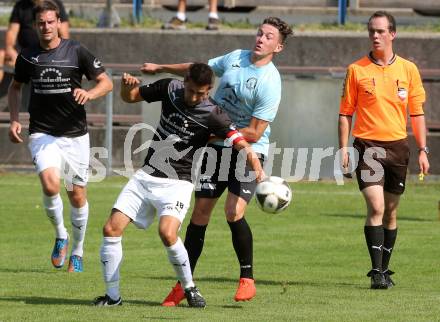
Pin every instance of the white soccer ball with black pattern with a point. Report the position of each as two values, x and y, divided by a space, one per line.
273 195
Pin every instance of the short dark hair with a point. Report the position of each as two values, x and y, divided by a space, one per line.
201 74
283 27
46 5
391 21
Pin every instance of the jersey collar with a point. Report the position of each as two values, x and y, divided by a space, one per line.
373 60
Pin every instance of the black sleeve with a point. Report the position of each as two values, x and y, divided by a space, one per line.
156 91
15 17
22 67
89 64
219 123
63 14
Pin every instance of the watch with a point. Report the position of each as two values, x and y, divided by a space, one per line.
424 149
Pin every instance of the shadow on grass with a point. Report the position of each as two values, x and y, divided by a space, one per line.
24 270
38 300
45 300
282 284
357 216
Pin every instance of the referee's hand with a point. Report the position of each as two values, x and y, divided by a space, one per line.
14 132
423 163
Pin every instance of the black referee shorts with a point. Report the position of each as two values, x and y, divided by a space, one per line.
231 171
383 163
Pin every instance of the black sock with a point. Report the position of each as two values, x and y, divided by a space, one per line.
389 238
242 241
374 237
194 240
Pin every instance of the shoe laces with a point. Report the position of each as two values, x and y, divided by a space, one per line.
194 292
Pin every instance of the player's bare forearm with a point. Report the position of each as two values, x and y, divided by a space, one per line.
64 30
14 100
10 41
11 35
254 130
176 69
103 86
130 89
344 127
252 158
419 129
418 125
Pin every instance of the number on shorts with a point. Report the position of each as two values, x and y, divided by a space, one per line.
180 205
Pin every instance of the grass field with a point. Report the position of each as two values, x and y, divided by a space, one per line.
310 262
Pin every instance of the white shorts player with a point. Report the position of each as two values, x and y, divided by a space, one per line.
145 196
69 155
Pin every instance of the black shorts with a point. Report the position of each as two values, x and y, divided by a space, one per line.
212 183
382 163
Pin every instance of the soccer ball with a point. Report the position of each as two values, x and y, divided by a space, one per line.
273 195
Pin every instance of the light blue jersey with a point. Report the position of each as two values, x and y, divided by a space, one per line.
247 91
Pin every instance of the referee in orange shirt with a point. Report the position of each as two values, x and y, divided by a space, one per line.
378 88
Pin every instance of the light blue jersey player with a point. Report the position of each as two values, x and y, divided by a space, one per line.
247 91
250 92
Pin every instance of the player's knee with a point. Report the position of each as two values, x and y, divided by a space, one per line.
376 210
233 213
51 189
200 217
389 218
77 200
110 230
168 236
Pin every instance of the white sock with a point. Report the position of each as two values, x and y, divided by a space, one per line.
213 15
178 257
79 217
111 258
54 210
181 16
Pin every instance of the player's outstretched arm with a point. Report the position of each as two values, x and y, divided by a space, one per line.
103 86
176 69
130 89
14 101
419 128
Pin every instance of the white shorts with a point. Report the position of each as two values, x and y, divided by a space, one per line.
145 195
69 155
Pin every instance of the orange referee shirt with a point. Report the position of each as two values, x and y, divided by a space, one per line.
380 95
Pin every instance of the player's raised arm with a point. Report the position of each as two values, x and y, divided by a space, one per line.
176 69
130 89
